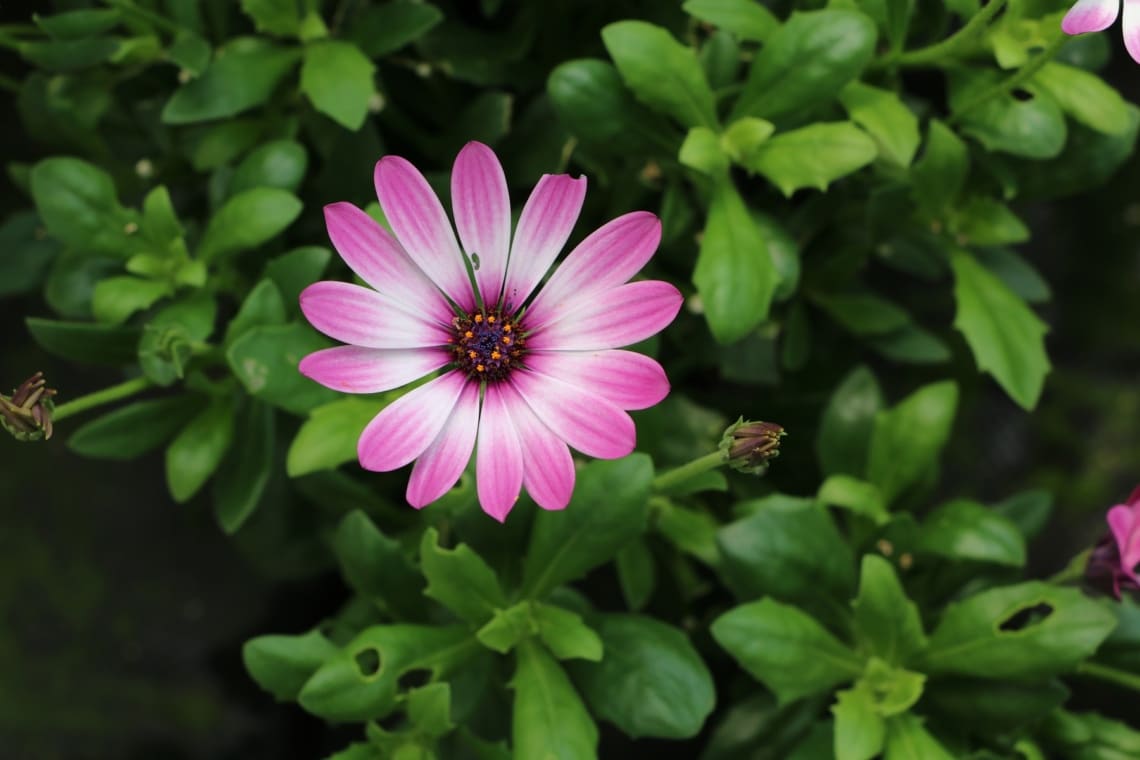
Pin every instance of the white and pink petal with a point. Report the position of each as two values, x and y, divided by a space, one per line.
627 379
482 208
543 229
1091 16
407 426
362 317
499 458
548 468
583 420
442 463
353 369
619 317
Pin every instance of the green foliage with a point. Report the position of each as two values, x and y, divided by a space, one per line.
843 189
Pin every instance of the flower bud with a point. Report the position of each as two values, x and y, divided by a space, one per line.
26 414
1114 561
751 445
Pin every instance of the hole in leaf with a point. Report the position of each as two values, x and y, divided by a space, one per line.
414 679
1022 95
1026 617
368 662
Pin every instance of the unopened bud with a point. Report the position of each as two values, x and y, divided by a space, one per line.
26 414
752 445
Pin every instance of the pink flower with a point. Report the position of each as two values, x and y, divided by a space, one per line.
1098 15
524 377
1116 560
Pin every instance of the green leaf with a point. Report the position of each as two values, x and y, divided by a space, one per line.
806 62
189 51
337 79
508 627
1028 630
701 151
85 342
1007 339
564 633
429 709
886 118
327 439
1033 127
265 360
893 16
1017 273
856 496
117 298
845 431
785 649
460 580
216 145
907 739
744 137
280 17
982 220
242 478
863 313
651 681
278 163
242 75
746 19
25 254
938 176
1028 510
994 707
910 344
813 156
133 430
908 439
789 549
361 681
735 275
376 566
892 690
73 25
247 220
963 529
859 729
262 306
282 664
887 623
195 453
1085 96
296 270
691 531
382 29
549 721
608 509
662 73
78 205
171 337
636 573
68 55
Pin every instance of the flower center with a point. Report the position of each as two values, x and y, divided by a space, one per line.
487 345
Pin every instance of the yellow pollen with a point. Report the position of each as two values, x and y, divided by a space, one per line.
479 368
471 354
507 327
496 355
478 317
506 340
468 335
491 319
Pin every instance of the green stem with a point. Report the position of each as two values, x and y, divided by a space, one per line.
123 390
1015 80
947 48
667 480
1112 675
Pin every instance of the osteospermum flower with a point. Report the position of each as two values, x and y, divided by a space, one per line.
1098 15
1116 557
526 374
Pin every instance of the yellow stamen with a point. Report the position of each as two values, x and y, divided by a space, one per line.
471 354
507 327
478 317
491 319
479 368
506 340
468 335
496 355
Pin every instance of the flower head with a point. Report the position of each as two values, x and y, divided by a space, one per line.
1098 15
26 414
528 371
752 445
1115 558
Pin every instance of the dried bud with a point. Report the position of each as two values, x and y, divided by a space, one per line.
26 414
751 445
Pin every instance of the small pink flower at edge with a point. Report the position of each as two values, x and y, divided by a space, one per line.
1115 558
1098 15
526 374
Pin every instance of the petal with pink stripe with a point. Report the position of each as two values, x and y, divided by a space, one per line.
499 459
607 258
618 317
482 209
361 316
407 426
1092 15
352 369
439 467
544 226
1131 25
548 469
587 422
417 217
371 252
627 379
